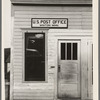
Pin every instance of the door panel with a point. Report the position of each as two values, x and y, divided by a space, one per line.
69 69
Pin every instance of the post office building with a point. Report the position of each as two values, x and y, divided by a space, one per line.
52 50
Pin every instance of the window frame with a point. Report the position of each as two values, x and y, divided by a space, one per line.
46 63
69 41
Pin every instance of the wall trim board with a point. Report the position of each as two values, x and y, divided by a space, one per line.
50 4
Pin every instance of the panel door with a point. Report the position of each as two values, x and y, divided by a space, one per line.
69 69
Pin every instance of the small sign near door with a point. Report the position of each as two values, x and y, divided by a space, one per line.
49 23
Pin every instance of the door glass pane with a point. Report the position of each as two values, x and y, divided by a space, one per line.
62 51
34 57
68 51
74 51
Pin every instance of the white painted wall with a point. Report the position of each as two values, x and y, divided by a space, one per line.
6 36
6 23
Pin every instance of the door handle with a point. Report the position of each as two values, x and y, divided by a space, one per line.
58 68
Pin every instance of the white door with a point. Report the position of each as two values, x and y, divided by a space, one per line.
69 69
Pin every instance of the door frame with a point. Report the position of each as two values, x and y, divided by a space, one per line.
58 56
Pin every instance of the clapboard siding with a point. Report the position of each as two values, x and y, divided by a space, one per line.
52 8
78 18
50 13
53 1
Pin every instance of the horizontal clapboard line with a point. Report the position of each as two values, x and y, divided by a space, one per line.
69 32
87 24
32 98
34 91
17 61
18 54
54 16
39 95
33 84
88 28
18 67
18 27
18 32
18 47
17 40
29 24
18 78
70 19
34 94
32 88
46 8
83 18
38 12
29 85
69 26
17 57
52 1
18 50
19 37
49 16
18 71
18 44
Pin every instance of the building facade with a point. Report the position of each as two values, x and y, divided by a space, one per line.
52 50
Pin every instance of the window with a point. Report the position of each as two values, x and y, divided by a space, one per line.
69 51
34 57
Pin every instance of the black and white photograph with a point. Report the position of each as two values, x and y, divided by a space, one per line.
48 50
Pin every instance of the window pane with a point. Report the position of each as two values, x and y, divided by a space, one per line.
74 51
62 51
34 57
68 51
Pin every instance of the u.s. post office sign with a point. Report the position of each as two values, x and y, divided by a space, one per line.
49 23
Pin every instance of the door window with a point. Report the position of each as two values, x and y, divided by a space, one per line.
69 51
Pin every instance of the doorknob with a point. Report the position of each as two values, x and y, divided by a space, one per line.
58 68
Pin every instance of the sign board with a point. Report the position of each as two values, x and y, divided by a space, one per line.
49 23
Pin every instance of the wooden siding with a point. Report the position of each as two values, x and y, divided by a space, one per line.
78 18
53 1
